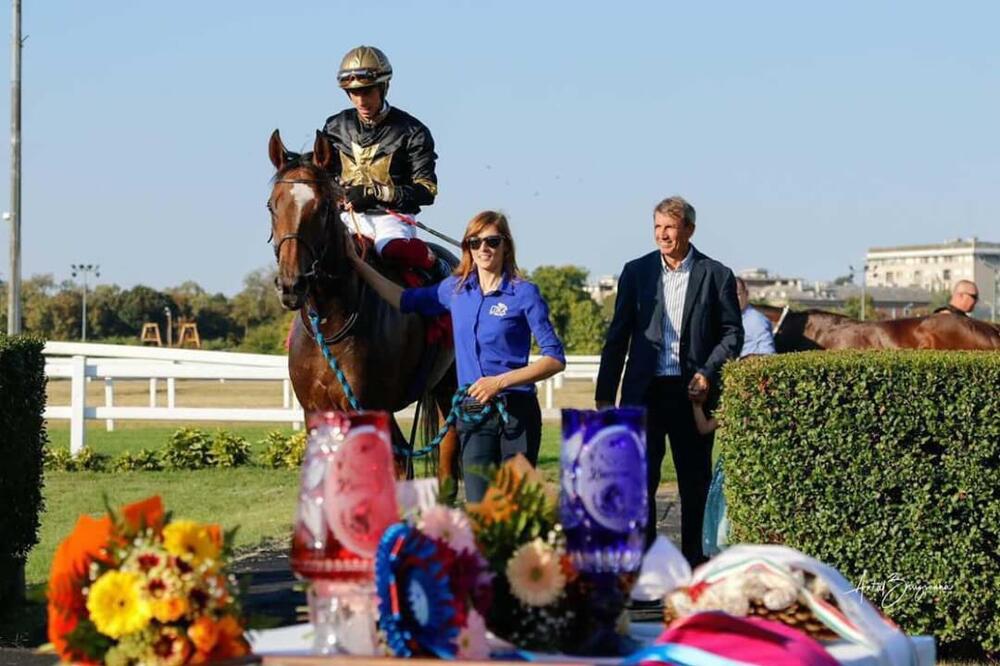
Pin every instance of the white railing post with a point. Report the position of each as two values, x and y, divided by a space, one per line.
296 425
109 400
548 393
77 403
558 381
286 393
171 392
152 392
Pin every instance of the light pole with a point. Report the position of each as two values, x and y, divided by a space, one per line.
14 215
170 328
864 271
85 270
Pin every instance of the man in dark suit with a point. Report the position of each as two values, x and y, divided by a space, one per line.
678 319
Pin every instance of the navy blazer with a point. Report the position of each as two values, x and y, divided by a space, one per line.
711 328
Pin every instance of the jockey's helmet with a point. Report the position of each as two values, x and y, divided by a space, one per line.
362 67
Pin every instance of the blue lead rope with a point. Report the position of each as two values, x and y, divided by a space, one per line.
454 414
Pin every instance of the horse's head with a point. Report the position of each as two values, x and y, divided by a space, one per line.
304 224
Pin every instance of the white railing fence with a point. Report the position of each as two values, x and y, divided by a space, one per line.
83 362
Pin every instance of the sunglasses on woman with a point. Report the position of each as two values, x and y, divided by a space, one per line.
492 242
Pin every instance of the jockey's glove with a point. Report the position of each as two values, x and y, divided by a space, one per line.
383 193
360 197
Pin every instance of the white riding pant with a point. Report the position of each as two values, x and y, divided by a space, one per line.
381 228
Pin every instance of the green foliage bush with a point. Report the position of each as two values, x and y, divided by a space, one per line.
229 450
885 465
281 451
143 461
188 448
22 439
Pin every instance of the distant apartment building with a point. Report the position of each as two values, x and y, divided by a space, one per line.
937 267
606 285
762 286
933 267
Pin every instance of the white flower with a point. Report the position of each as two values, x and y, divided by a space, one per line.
472 639
448 525
535 575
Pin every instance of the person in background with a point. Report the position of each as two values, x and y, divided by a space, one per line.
677 318
964 296
757 336
494 313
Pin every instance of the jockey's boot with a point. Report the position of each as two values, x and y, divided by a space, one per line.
412 255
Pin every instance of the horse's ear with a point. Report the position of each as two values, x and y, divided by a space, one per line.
322 151
276 151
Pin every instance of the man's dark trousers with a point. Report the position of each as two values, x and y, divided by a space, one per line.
668 414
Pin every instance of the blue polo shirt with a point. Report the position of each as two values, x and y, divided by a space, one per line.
492 331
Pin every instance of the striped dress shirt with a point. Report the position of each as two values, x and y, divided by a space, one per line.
674 284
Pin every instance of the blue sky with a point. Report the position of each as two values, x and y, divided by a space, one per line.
803 133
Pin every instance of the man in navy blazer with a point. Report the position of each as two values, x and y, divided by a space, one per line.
677 318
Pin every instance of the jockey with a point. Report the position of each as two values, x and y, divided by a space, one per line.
386 163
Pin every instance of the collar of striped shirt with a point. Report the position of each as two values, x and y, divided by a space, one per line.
685 264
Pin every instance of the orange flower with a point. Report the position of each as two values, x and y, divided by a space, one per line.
169 609
231 643
204 633
215 641
85 544
144 513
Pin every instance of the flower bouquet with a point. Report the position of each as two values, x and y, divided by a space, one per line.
135 587
537 598
433 586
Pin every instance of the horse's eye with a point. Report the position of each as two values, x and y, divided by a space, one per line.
269 206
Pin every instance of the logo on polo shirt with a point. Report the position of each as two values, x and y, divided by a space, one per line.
498 310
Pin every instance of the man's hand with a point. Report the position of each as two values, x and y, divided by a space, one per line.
698 388
358 199
485 389
603 404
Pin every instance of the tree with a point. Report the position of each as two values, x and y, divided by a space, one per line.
142 304
257 303
852 307
102 312
36 294
587 328
577 318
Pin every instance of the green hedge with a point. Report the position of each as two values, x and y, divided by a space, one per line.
885 465
22 436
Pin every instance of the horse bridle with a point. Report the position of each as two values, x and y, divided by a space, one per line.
316 271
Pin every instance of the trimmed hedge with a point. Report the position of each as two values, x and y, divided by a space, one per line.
22 436
885 465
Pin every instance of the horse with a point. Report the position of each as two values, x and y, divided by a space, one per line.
382 353
818 329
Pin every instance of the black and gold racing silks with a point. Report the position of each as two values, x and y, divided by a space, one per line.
395 157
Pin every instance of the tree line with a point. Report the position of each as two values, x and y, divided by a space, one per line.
252 320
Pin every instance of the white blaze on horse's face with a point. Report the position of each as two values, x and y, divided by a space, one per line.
301 195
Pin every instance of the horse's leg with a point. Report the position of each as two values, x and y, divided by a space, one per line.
449 455
403 464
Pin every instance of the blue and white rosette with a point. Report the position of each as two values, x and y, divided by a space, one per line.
416 611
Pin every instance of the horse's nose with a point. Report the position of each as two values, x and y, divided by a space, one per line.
296 285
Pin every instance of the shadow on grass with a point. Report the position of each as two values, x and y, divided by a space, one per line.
23 625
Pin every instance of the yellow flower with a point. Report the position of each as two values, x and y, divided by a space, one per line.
192 541
117 605
535 575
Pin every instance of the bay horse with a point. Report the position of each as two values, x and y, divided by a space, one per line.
818 329
383 353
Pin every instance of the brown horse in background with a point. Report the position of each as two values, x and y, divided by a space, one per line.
817 329
382 352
